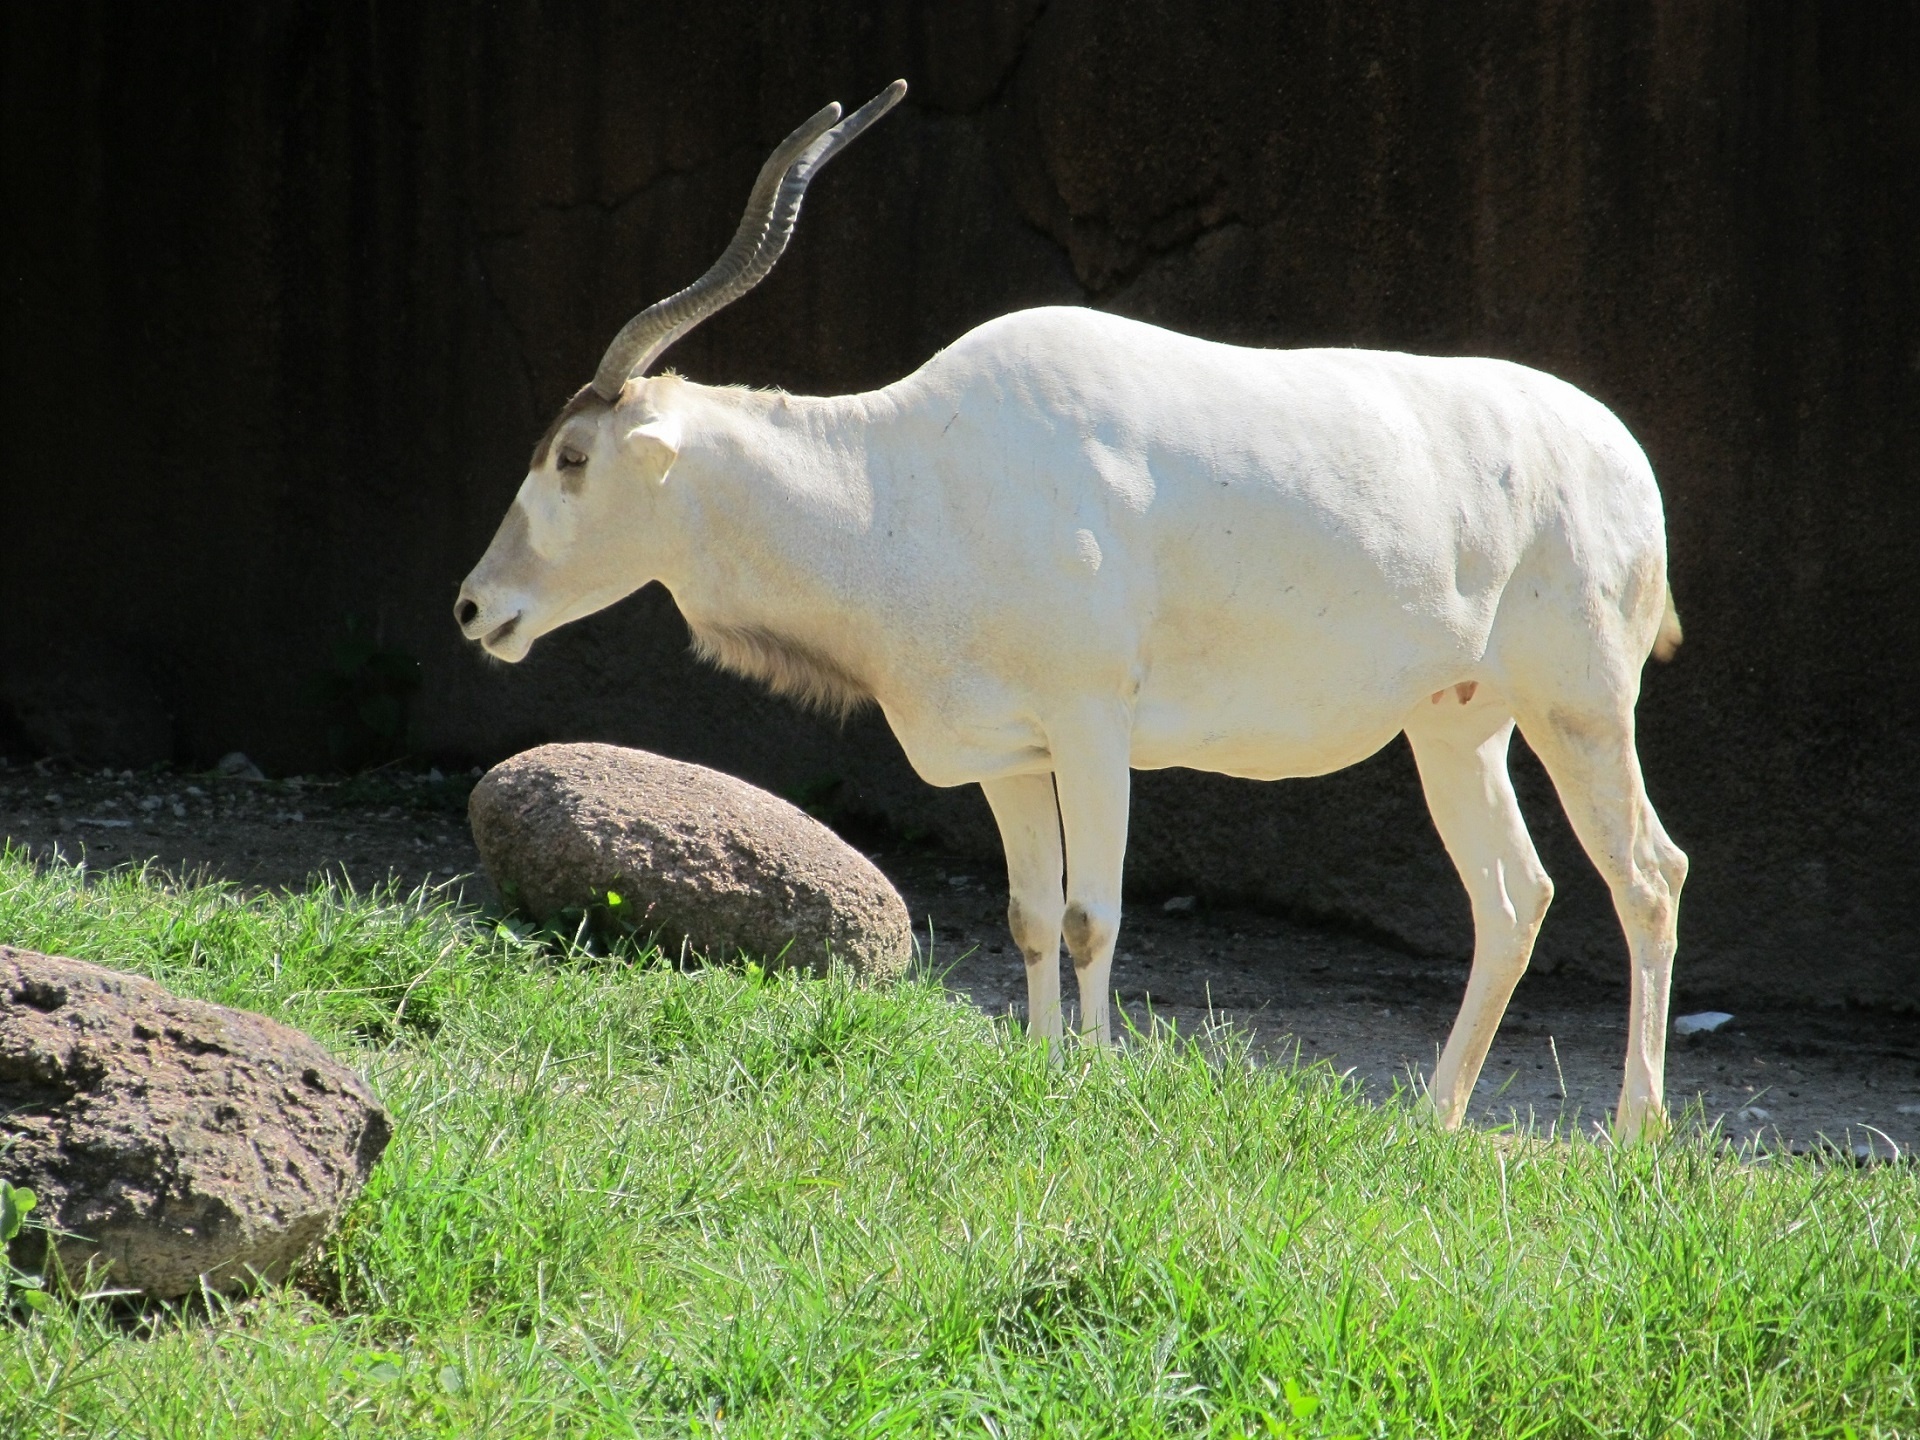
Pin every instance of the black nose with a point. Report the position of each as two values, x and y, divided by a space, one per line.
464 613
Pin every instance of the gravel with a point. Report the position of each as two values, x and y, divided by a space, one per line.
1775 1078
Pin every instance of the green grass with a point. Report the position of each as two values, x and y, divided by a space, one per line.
623 1200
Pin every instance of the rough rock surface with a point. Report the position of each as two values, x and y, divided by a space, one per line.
701 855
171 1139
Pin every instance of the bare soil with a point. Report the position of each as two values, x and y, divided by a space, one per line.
1794 1078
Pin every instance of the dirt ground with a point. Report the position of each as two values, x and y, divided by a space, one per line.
1785 1078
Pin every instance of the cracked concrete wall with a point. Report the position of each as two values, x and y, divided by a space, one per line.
291 290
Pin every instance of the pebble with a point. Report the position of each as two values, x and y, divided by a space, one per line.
1703 1022
1907 1109
1755 1112
1179 904
234 765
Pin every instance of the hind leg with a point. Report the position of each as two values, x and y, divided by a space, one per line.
1462 755
1029 820
1588 751
1094 785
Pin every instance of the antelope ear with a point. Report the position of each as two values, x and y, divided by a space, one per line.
655 444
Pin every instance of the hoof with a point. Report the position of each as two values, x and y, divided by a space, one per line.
1442 1116
1641 1125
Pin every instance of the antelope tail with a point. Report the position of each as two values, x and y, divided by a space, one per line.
1667 641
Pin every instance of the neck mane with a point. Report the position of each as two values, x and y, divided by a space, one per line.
775 502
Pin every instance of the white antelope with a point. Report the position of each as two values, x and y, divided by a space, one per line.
1072 544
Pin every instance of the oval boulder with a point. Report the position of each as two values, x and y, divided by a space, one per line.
171 1144
698 855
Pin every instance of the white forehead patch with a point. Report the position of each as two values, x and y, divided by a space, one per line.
549 514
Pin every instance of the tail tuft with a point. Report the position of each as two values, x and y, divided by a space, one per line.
1668 640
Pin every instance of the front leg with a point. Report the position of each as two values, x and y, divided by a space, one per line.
1091 776
1029 820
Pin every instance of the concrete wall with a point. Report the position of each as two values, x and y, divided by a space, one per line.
291 288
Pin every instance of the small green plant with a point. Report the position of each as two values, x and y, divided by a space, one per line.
822 797
837 805
364 692
23 1290
608 926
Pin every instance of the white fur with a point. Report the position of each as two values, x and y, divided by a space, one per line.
1073 544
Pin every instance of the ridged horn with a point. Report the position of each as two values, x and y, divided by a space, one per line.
765 228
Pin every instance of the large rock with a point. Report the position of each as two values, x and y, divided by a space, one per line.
698 854
170 1141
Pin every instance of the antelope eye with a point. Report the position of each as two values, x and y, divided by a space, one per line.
571 459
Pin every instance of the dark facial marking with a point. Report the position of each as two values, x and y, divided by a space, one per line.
584 401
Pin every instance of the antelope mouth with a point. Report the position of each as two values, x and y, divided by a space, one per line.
500 634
